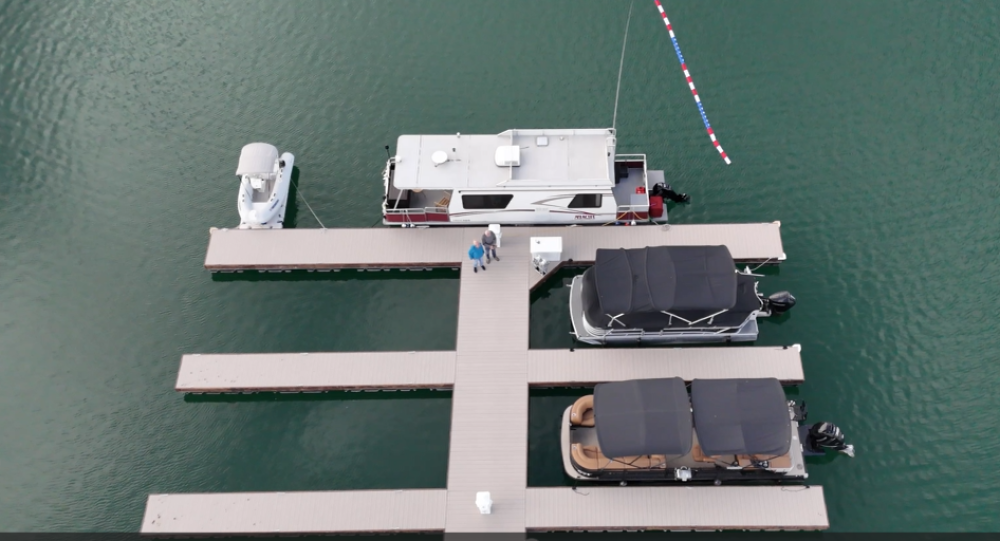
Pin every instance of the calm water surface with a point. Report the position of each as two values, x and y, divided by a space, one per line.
868 129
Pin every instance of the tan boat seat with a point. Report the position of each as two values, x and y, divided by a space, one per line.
582 413
699 456
590 457
443 202
783 461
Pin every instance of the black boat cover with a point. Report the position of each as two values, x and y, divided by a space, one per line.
643 417
740 416
688 281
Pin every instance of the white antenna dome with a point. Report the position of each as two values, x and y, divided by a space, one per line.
439 157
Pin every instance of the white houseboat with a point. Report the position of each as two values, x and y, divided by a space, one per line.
520 177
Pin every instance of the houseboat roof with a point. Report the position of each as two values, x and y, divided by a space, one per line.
512 159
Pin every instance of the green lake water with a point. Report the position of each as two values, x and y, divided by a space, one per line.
869 129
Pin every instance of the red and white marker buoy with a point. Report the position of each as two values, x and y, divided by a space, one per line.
694 91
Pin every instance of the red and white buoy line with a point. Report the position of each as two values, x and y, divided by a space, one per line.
687 75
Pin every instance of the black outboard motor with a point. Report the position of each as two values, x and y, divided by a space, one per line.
667 192
826 435
780 302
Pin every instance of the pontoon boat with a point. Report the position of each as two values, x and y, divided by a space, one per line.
669 295
520 177
726 430
264 181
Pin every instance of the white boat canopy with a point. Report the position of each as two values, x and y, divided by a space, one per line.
514 159
257 160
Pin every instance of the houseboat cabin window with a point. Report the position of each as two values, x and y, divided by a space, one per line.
487 201
586 201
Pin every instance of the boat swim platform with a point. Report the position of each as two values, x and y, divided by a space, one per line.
232 250
549 509
367 371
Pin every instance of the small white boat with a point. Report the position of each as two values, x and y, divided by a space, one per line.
264 181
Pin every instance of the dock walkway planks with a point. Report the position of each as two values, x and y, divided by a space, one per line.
349 371
291 249
790 507
348 511
489 412
588 367
304 372
589 508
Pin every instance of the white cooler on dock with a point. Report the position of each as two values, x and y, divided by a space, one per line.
495 228
545 252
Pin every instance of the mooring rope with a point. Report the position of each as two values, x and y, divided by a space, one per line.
304 200
621 64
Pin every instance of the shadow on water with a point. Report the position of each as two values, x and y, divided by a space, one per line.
292 209
327 396
765 270
777 319
343 275
555 282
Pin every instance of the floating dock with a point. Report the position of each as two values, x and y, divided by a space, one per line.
329 249
546 509
311 372
348 511
681 508
491 365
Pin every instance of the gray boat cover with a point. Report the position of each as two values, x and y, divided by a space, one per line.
740 416
690 281
257 159
643 417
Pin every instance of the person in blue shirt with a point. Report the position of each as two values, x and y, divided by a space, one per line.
476 253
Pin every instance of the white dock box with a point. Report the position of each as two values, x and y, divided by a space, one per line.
546 248
495 228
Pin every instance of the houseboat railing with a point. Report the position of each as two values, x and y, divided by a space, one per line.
418 215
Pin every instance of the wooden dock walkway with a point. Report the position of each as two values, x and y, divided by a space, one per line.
489 411
354 371
308 372
249 513
323 249
489 373
588 508
588 367
680 508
